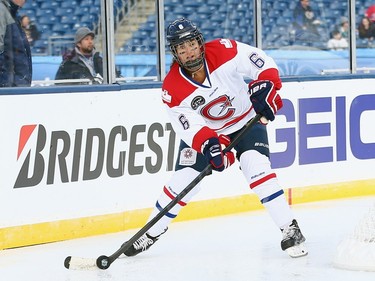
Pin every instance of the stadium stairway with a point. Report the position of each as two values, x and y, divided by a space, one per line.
133 20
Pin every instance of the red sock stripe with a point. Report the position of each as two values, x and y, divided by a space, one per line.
262 180
170 195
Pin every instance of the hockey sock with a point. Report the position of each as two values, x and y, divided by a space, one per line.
263 181
176 184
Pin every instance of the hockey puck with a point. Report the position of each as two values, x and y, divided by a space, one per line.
103 262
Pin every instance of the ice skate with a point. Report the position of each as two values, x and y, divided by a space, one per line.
293 241
142 244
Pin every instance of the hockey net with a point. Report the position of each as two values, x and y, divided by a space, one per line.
357 251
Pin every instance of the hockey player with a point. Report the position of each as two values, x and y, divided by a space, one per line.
208 102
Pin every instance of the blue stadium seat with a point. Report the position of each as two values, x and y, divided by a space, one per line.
28 5
150 44
80 11
149 26
185 11
42 44
196 4
208 27
218 17
44 12
362 43
170 17
274 13
286 21
61 29
280 5
89 18
69 4
31 13
45 33
44 20
338 6
134 41
287 14
49 5
94 10
207 10
69 18
59 12
87 3
234 1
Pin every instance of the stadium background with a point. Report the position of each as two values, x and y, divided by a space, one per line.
59 206
135 32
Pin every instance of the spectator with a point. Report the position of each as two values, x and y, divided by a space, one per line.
366 29
30 29
83 62
370 13
337 42
344 28
305 21
15 54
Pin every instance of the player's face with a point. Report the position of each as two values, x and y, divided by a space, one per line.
188 51
86 45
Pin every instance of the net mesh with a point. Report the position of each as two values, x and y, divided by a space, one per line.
357 251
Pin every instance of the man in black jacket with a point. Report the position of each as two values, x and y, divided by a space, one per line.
15 54
84 62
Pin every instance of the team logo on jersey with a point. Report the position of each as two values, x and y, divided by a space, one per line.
197 101
220 108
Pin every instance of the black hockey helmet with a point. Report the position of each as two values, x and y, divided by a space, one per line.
180 31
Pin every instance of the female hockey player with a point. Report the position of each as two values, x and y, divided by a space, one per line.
208 103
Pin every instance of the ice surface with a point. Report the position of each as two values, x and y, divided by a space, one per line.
236 247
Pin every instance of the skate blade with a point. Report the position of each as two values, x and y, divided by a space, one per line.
297 251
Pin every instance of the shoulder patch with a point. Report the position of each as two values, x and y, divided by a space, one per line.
166 97
175 87
197 101
220 51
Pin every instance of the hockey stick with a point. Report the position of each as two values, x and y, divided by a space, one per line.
103 262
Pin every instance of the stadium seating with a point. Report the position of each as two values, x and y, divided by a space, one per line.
60 18
230 18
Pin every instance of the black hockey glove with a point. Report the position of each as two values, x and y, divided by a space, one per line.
212 150
266 101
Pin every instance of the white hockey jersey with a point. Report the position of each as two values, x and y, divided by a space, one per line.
221 105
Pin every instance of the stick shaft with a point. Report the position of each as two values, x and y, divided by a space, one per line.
182 194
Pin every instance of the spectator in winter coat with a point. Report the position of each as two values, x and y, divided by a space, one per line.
366 29
84 62
305 21
15 54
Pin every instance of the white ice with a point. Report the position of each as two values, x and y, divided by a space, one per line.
236 247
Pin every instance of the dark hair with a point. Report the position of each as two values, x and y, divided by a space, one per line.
24 16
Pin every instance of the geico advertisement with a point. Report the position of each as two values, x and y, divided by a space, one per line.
324 133
113 151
